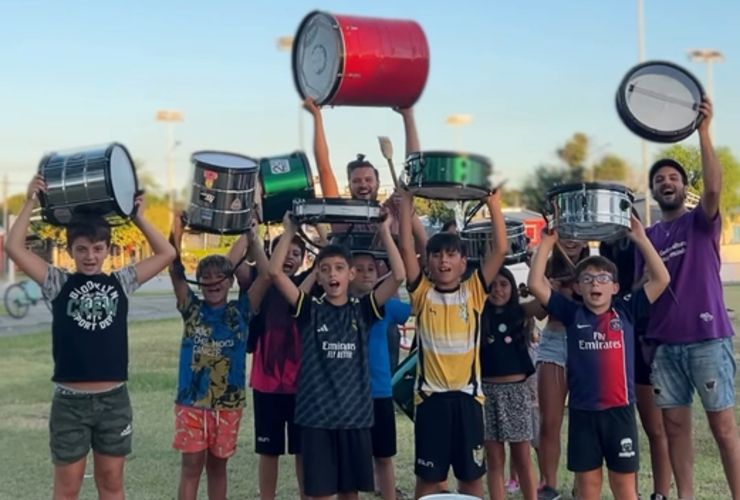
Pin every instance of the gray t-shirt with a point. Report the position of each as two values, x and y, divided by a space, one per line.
56 278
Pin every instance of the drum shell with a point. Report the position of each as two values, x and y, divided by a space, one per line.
383 62
478 239
80 183
280 189
336 210
402 384
362 242
448 176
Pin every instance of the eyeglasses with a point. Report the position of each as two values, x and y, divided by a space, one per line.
590 279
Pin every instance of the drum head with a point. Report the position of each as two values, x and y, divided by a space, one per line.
317 54
123 180
448 192
659 101
230 161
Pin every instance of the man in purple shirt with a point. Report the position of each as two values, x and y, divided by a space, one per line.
689 323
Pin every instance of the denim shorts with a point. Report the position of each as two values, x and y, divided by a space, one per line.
709 367
553 347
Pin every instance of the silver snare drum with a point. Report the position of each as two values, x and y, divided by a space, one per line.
591 211
98 180
478 239
222 194
336 210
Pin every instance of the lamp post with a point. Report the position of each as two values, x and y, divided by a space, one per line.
457 122
170 117
708 57
643 143
285 44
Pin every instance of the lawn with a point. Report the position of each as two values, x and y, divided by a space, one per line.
153 469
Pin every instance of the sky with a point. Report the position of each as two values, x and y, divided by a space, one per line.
531 73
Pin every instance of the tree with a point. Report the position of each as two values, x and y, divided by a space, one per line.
611 168
534 192
575 151
690 158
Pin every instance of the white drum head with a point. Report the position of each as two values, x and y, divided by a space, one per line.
224 160
123 179
316 58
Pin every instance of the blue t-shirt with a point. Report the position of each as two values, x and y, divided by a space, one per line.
396 313
601 350
213 354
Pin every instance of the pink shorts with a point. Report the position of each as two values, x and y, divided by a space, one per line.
197 430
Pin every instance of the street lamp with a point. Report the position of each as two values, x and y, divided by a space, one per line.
708 57
457 122
643 142
169 117
285 44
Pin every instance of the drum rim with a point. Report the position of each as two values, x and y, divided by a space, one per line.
591 186
195 162
339 202
306 167
450 154
417 191
642 130
109 180
294 58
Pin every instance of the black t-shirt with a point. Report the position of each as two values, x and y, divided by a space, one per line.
334 377
503 348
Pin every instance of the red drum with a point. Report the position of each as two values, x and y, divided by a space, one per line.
360 61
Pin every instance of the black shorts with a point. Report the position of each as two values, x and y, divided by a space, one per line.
272 413
336 461
605 435
449 432
383 433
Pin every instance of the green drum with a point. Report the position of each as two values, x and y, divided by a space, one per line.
282 180
403 384
439 175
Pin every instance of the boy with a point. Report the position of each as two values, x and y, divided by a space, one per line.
448 429
600 368
91 406
334 405
383 432
211 387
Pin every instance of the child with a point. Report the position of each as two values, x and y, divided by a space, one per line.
383 432
334 405
505 368
211 387
448 429
89 331
601 423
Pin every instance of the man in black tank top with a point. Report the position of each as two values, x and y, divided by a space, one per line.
91 406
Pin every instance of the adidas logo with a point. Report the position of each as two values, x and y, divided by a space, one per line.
323 329
126 431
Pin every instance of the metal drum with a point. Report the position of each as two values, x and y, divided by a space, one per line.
362 242
590 211
343 60
403 384
97 180
284 179
336 210
478 239
448 176
222 195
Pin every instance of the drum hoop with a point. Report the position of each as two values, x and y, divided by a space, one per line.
641 129
294 57
109 180
203 164
338 202
448 154
590 186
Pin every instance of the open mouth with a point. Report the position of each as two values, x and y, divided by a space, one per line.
595 296
363 193
333 285
444 269
667 192
287 267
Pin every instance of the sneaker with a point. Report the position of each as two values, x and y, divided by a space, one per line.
657 496
548 493
512 486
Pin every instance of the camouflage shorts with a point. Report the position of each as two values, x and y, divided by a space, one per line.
80 421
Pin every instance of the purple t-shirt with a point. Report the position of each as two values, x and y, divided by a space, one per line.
692 308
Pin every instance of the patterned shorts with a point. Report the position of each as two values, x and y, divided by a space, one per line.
508 412
198 430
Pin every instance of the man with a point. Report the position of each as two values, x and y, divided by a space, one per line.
689 327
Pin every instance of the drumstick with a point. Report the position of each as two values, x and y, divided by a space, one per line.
386 148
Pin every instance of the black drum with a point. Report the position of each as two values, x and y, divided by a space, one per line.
478 239
362 242
222 194
659 101
97 180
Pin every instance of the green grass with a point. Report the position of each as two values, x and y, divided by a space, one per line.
152 471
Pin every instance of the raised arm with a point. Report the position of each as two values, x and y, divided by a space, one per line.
239 248
260 285
409 126
710 169
278 277
176 268
389 286
327 180
659 278
164 253
495 256
15 243
536 282
406 240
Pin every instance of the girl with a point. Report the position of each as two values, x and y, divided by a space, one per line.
505 367
551 359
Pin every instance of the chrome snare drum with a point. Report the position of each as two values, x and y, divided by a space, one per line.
98 180
590 211
336 210
478 239
222 195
